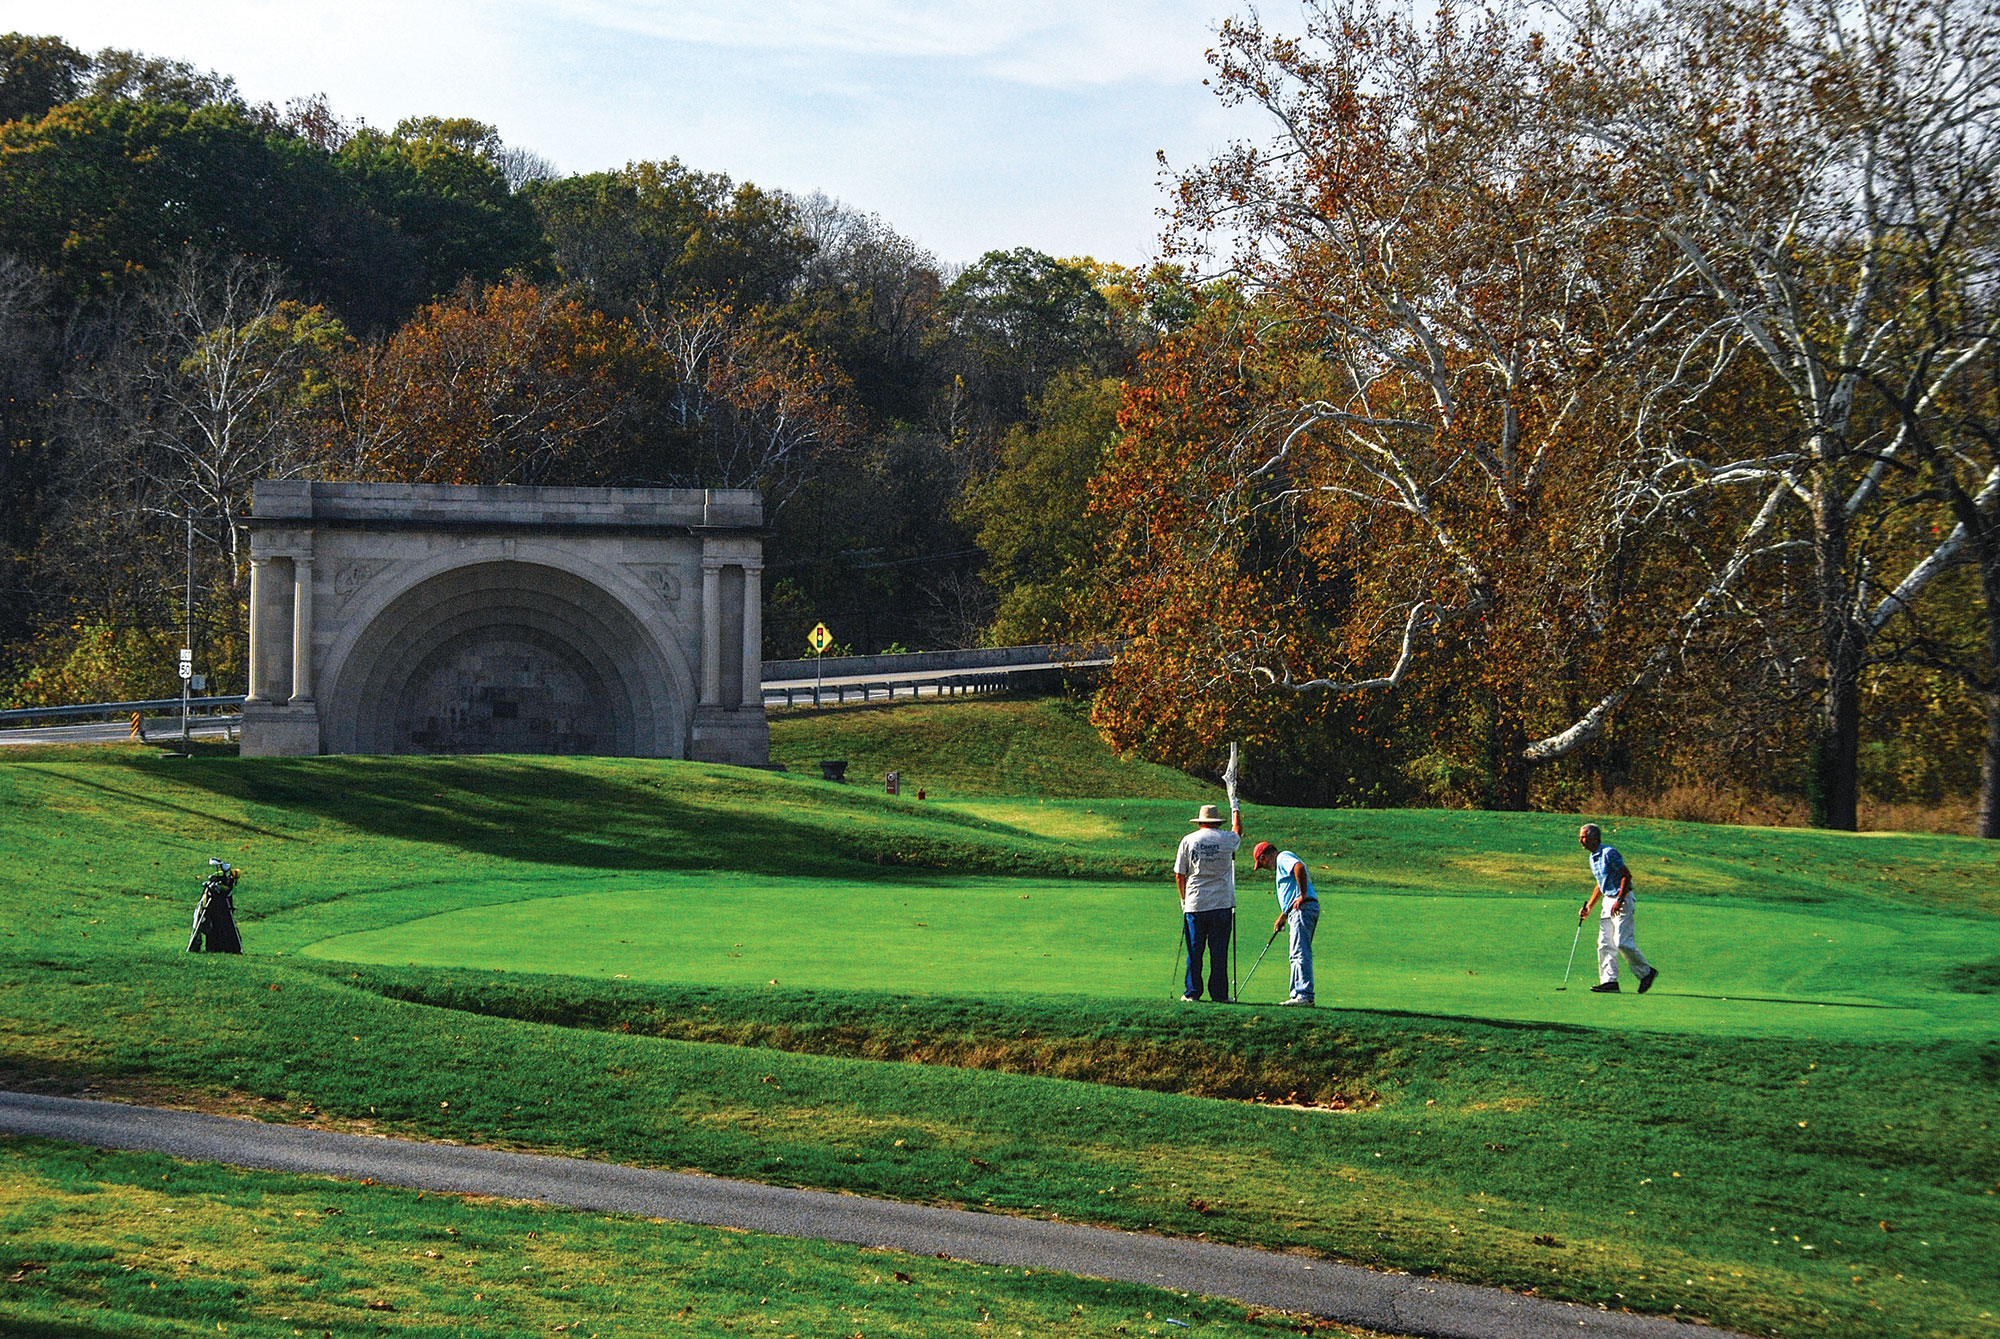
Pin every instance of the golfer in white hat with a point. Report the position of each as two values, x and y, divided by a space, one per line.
1205 875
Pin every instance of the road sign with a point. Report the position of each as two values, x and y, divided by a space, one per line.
187 657
187 670
819 638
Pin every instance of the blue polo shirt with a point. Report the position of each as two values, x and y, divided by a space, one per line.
1292 876
1606 867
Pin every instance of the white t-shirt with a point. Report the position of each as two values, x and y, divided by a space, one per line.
1208 858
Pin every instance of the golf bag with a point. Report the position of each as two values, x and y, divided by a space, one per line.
215 914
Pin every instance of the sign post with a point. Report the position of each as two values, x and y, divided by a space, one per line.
187 676
819 639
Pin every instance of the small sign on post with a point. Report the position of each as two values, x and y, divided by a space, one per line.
895 783
818 639
187 678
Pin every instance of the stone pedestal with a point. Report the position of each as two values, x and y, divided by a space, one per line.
279 732
741 737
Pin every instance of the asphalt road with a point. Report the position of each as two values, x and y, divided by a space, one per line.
160 732
1396 1303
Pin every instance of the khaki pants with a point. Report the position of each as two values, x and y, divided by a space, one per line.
1614 936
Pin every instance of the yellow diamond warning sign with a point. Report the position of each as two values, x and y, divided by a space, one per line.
819 638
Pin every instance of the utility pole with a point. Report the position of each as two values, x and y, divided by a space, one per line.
187 643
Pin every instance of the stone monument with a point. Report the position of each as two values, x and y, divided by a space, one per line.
400 618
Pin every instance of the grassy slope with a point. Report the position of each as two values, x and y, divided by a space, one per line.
142 1246
1512 1148
1000 746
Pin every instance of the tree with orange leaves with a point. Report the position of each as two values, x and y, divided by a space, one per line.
1406 445
510 385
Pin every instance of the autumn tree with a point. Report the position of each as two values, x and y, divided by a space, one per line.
508 384
756 405
1402 445
1825 171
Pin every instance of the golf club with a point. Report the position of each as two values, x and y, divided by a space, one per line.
1229 775
1575 939
1260 957
1180 947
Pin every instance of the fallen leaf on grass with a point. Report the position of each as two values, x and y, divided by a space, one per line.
901 1277
1546 1240
379 1305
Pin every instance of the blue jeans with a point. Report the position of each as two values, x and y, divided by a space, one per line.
1210 928
1301 921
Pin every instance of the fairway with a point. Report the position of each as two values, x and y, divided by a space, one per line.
1734 969
975 1005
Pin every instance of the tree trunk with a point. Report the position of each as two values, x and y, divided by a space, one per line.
1832 787
1989 770
1509 770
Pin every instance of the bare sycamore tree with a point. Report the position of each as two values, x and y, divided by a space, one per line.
1463 343
1825 169
760 407
198 397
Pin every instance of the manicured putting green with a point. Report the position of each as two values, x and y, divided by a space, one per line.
1732 968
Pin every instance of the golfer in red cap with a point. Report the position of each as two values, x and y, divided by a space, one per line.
1298 907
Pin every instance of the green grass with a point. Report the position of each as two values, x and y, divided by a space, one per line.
1729 969
1502 1112
137 1245
1042 746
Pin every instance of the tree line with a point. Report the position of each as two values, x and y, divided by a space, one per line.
197 291
1594 397
1552 407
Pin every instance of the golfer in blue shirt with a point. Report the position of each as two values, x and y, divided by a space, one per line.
1615 934
1298 907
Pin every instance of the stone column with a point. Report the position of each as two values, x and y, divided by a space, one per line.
753 634
711 633
302 631
260 585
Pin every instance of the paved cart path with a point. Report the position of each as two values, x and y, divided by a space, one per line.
1396 1303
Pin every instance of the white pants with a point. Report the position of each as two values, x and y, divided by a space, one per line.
1614 936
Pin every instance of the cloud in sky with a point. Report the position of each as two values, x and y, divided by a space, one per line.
969 126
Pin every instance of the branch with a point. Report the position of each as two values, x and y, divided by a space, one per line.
1391 680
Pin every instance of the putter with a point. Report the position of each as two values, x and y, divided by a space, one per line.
1260 957
1574 940
1180 947
1229 775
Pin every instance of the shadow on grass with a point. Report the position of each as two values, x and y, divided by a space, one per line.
665 816
1774 999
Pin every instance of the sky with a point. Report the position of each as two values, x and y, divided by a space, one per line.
967 125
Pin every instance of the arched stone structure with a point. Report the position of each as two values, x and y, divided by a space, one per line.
422 619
